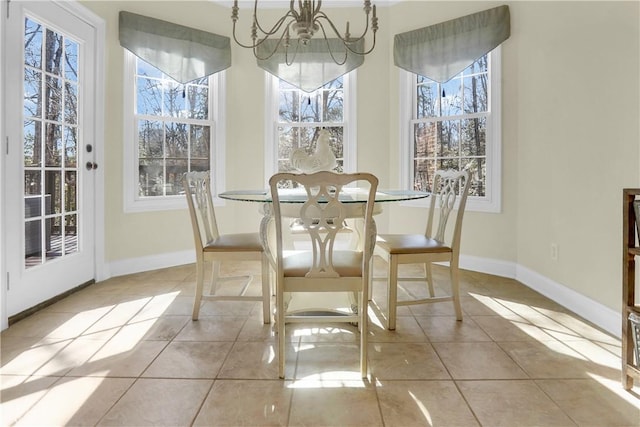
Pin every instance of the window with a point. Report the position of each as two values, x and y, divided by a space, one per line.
456 125
294 118
173 129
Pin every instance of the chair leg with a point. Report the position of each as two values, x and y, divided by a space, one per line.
364 330
199 285
266 290
429 276
280 310
455 289
215 277
370 280
392 292
272 279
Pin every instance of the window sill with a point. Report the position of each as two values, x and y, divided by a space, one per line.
161 204
473 205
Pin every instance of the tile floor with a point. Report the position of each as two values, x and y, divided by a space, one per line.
125 352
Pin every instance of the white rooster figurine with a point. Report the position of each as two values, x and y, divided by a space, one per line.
322 160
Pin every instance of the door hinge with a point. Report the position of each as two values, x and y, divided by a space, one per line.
8 4
8 285
7 146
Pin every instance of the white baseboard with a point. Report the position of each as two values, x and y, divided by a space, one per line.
488 266
152 262
596 313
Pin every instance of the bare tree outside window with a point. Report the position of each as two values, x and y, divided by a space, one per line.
301 117
449 127
174 130
50 143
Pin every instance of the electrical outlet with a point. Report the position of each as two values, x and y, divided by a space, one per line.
554 251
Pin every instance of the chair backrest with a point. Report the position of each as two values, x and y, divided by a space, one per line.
197 188
323 214
448 186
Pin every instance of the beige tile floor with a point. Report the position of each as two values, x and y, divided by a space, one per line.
125 352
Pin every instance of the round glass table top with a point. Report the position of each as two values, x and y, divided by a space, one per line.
298 195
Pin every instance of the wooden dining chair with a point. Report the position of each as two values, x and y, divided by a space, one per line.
323 267
211 246
435 245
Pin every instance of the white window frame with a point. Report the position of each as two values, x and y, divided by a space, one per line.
492 201
217 99
271 116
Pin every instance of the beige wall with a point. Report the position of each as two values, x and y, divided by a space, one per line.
571 138
577 107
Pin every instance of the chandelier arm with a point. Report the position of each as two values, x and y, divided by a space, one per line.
295 54
335 60
292 12
318 20
247 46
365 52
346 41
264 33
276 27
324 16
348 45
326 40
374 27
351 40
273 52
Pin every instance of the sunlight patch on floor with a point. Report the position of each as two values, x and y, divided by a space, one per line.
335 379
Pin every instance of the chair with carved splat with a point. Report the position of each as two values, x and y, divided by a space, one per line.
213 247
449 187
325 267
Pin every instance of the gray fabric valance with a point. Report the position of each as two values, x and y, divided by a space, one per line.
183 53
313 65
443 50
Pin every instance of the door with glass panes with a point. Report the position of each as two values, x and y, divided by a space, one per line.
50 167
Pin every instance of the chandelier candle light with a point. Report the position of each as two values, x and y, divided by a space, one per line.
303 23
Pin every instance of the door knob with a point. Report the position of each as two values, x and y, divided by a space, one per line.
91 165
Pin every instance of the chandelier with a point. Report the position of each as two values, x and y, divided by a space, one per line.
297 27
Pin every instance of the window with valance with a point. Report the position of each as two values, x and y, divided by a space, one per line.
451 102
174 92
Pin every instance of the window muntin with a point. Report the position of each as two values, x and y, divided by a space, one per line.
51 128
450 126
302 115
457 125
174 129
294 119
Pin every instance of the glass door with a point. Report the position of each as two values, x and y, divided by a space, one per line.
50 162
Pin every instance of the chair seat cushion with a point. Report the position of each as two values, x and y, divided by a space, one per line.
241 242
345 263
410 244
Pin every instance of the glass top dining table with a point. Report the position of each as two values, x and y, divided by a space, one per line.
298 195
